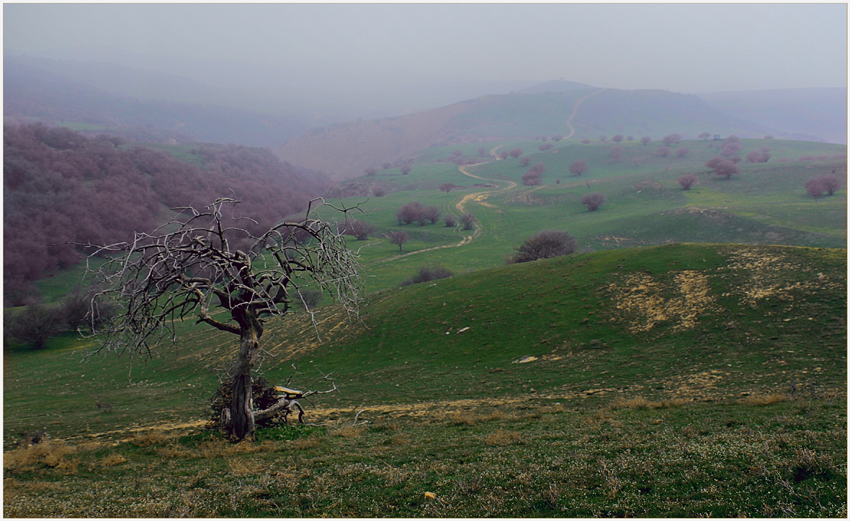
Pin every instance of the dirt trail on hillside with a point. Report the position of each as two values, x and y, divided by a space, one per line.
575 111
481 197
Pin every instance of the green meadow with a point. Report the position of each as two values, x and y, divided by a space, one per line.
688 361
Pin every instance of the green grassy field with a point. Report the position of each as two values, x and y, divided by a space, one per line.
681 380
763 204
690 361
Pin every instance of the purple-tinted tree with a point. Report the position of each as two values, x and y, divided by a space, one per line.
617 138
538 167
531 178
482 152
430 215
645 140
730 149
448 187
378 191
687 181
760 155
557 137
358 229
523 161
370 171
815 188
722 166
671 139
662 152
830 183
544 245
682 152
617 153
515 153
405 169
399 238
593 201
410 212
450 220
386 165
704 135
545 146
578 167
603 139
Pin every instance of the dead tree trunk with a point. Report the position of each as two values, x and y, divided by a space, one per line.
242 422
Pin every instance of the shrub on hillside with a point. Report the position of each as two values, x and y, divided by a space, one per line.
35 325
593 201
427 274
544 245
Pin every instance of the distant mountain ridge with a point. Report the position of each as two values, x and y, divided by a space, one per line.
344 151
54 92
806 114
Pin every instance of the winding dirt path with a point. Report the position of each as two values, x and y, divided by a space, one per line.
576 106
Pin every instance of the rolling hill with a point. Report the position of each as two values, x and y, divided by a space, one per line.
345 150
659 381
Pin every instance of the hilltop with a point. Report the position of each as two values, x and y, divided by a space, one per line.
551 109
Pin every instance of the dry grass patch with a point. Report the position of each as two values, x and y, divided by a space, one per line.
51 453
502 437
349 431
155 437
763 399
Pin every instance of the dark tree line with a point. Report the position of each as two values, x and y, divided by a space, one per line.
61 187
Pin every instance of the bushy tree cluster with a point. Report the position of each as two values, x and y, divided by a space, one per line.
427 274
544 245
61 187
824 185
419 213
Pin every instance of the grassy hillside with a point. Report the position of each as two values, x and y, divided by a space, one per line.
681 380
346 150
765 203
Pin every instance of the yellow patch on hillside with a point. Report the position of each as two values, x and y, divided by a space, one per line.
647 301
766 270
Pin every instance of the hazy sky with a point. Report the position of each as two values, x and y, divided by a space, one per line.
679 47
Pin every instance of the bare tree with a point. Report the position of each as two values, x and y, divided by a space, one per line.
359 229
830 183
191 268
815 188
578 167
448 187
645 140
593 201
399 238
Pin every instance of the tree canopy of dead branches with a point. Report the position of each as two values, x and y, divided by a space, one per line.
206 266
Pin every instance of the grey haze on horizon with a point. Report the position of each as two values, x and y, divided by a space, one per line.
389 59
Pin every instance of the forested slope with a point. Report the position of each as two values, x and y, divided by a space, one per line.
61 187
